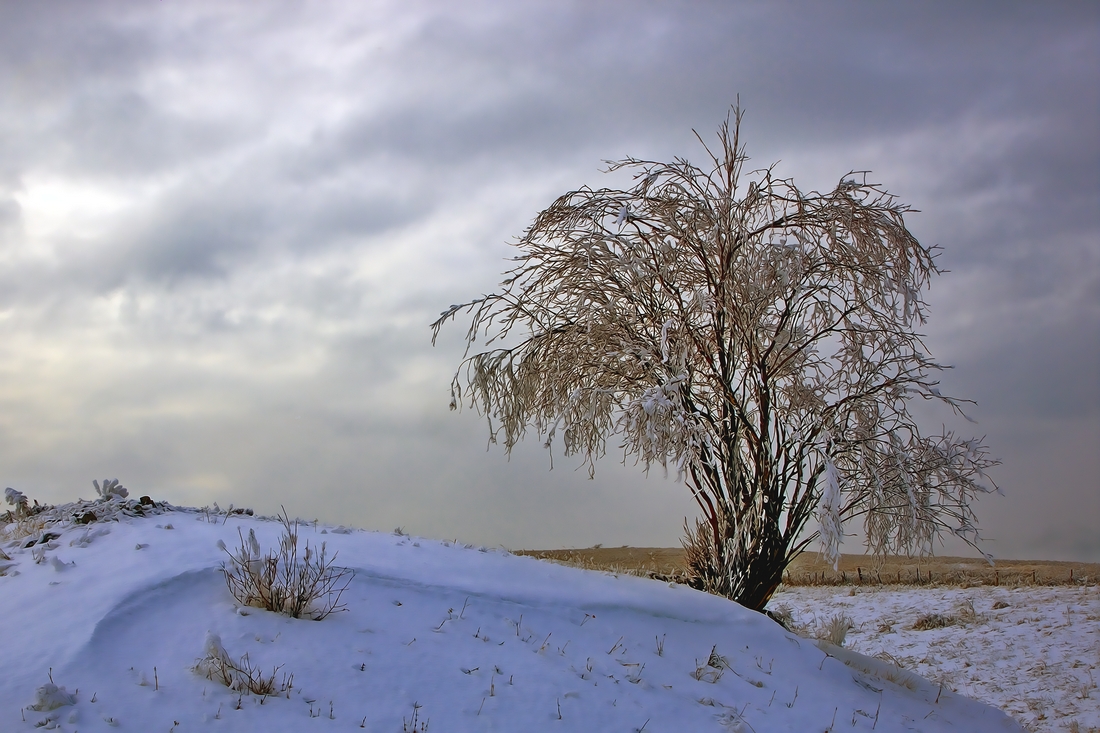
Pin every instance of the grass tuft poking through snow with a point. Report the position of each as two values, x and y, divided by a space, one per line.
835 630
241 675
934 621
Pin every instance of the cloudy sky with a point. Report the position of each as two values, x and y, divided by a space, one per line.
225 228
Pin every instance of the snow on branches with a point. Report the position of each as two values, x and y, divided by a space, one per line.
759 339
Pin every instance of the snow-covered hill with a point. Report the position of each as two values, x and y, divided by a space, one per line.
117 612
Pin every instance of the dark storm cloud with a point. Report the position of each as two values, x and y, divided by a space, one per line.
260 208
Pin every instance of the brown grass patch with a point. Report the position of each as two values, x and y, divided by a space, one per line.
934 621
667 563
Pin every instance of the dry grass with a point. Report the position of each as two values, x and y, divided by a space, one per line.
658 562
241 675
712 670
835 629
22 527
934 621
809 569
666 563
297 585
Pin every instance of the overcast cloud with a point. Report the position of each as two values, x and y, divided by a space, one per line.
225 228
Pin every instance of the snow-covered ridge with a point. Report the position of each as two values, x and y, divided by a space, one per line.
116 613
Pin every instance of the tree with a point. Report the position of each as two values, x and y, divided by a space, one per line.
758 339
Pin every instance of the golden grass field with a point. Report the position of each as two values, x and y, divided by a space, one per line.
809 569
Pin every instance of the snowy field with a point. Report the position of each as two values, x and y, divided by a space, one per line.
1031 651
106 625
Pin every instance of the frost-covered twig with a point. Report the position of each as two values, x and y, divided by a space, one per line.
18 500
110 489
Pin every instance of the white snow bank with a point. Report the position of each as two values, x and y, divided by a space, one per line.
470 640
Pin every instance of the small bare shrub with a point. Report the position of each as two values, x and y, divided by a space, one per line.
239 676
716 660
18 500
23 519
19 529
51 697
294 584
414 724
704 673
110 489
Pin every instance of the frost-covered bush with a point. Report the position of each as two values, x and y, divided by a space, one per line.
835 630
110 489
18 500
23 519
783 615
51 697
298 585
239 676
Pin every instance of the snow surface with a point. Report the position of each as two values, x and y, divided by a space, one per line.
115 616
1031 651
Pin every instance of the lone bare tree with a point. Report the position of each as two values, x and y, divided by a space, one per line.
758 339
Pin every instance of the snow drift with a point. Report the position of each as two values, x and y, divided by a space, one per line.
108 623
